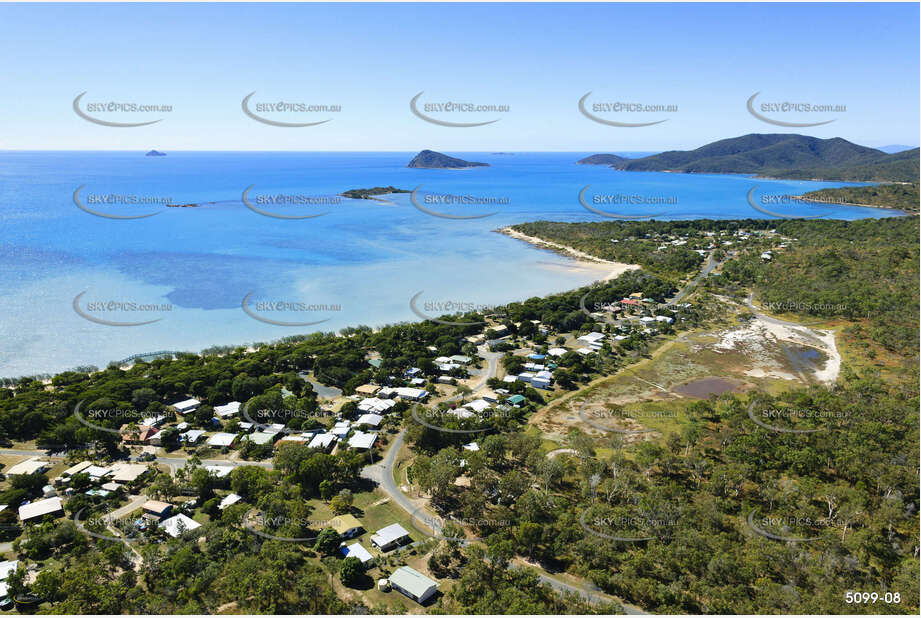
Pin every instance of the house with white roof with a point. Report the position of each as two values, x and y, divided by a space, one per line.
80 467
186 406
557 351
591 338
389 537
40 508
413 584
229 500
362 441
227 410
375 405
192 436
32 465
177 524
355 550
219 471
478 405
222 439
322 441
371 420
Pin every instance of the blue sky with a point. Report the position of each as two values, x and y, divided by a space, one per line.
371 59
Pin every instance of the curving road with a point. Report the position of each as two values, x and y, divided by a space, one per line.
382 474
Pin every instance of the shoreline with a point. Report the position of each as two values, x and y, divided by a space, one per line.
611 270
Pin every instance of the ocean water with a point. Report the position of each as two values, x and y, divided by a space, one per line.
361 262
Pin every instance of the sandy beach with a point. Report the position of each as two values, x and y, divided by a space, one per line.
605 269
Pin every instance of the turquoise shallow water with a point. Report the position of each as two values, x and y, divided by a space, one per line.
361 262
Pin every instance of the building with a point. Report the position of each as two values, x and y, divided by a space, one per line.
32 465
138 435
192 436
478 405
80 467
355 550
591 338
40 508
413 584
369 390
184 407
227 410
322 441
260 437
229 500
346 525
222 439
219 471
516 400
361 440
371 420
177 524
127 473
97 473
375 405
390 537
157 509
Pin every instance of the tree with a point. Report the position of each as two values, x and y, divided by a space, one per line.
341 502
327 542
351 570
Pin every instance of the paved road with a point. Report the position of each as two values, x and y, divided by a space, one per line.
707 269
382 474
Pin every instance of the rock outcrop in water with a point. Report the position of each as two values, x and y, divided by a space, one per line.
435 160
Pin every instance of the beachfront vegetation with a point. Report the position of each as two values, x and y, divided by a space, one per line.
696 518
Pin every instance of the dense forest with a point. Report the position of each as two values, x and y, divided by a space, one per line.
899 196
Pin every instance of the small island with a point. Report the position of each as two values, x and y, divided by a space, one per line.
155 153
430 159
603 159
183 205
368 194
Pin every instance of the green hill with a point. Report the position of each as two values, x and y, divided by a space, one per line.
783 155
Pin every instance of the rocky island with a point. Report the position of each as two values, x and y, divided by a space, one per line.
368 194
430 159
155 153
603 159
